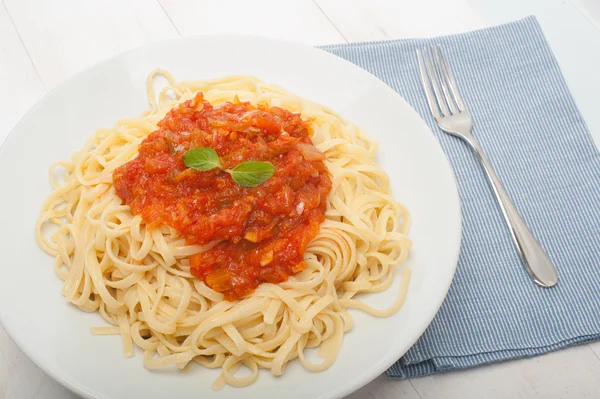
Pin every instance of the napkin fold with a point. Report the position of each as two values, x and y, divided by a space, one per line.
536 139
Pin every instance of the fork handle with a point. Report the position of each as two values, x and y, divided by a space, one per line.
537 263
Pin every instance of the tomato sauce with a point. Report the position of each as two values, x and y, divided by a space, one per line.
262 231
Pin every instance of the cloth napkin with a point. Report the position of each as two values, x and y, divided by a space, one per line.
536 139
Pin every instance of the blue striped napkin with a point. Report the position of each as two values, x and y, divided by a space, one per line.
535 137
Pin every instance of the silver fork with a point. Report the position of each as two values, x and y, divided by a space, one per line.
453 118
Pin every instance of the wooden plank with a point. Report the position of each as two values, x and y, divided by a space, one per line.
384 387
292 20
65 39
21 86
590 9
569 373
596 348
20 378
366 20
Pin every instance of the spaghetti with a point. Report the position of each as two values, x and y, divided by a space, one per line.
138 277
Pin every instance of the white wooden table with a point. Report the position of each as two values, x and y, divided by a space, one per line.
42 42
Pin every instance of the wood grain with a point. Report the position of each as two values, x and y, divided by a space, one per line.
366 20
569 373
293 20
596 348
384 387
66 36
21 86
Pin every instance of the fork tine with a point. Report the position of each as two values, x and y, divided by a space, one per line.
431 101
433 76
443 79
450 78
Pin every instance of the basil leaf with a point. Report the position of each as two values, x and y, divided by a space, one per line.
202 158
252 173
247 174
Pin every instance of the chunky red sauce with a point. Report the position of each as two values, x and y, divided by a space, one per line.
264 230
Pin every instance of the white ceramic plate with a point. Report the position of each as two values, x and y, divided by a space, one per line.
56 335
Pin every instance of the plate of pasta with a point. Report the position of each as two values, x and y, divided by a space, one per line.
247 217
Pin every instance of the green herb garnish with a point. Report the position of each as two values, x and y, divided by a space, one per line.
202 159
246 174
252 173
